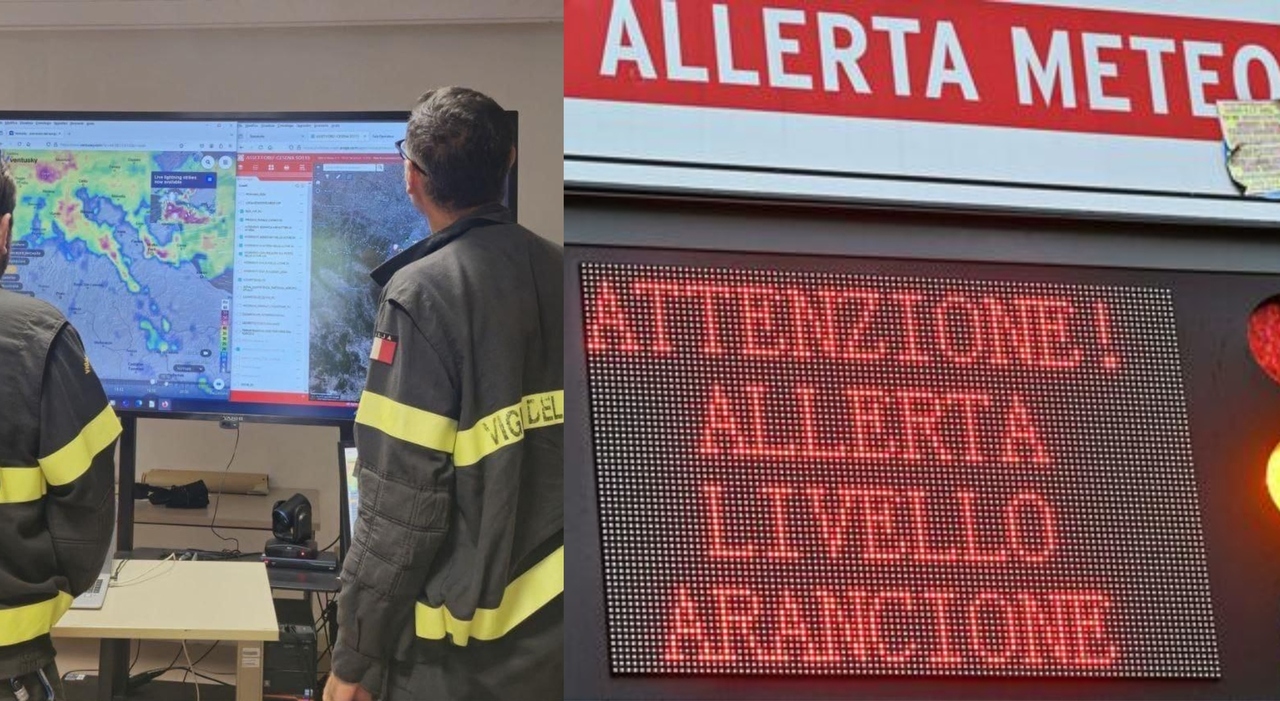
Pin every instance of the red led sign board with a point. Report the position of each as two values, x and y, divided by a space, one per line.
818 473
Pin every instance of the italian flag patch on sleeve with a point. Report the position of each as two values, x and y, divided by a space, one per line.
384 348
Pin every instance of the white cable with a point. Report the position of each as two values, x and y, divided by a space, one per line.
194 679
142 577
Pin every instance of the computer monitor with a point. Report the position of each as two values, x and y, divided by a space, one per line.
216 265
348 455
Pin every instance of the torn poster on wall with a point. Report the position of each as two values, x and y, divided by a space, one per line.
1251 129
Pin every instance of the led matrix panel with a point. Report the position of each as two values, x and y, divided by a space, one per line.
816 473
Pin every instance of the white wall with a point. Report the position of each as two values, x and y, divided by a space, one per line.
67 14
318 68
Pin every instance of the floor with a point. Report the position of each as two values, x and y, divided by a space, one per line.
78 663
87 689
219 661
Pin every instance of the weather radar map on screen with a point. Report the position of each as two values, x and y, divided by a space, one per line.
215 265
136 248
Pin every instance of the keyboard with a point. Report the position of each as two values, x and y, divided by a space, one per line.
95 597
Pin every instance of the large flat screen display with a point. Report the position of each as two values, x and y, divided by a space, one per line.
214 264
846 473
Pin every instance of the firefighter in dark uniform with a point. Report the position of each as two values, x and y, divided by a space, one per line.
57 478
454 586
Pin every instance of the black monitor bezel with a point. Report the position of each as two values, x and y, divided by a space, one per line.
241 412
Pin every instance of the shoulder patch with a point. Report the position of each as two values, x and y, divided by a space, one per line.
384 348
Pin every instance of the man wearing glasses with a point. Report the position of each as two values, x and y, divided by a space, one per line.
454 585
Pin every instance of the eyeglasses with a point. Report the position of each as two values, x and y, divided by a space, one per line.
405 155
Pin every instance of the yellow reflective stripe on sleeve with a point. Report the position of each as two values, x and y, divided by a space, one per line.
21 484
522 598
23 623
407 423
507 426
71 461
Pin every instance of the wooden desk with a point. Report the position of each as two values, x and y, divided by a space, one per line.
184 601
247 511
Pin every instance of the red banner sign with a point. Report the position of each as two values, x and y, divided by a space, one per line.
962 62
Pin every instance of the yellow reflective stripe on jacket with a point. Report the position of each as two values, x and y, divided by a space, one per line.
21 484
522 598
407 423
23 623
429 430
71 461
507 426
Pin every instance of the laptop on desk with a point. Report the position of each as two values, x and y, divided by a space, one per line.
97 594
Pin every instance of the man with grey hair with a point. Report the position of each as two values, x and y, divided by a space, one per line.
57 476
454 585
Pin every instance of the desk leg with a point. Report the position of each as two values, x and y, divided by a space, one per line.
113 669
249 671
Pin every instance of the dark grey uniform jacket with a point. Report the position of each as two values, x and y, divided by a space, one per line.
57 478
456 570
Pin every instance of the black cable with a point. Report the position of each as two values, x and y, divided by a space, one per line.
330 545
137 680
331 609
200 659
163 670
174 661
326 610
319 605
215 554
136 655
323 604
328 647
222 484
202 675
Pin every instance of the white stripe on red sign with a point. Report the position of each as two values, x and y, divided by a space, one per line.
961 62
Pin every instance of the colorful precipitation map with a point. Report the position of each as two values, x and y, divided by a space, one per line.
136 248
